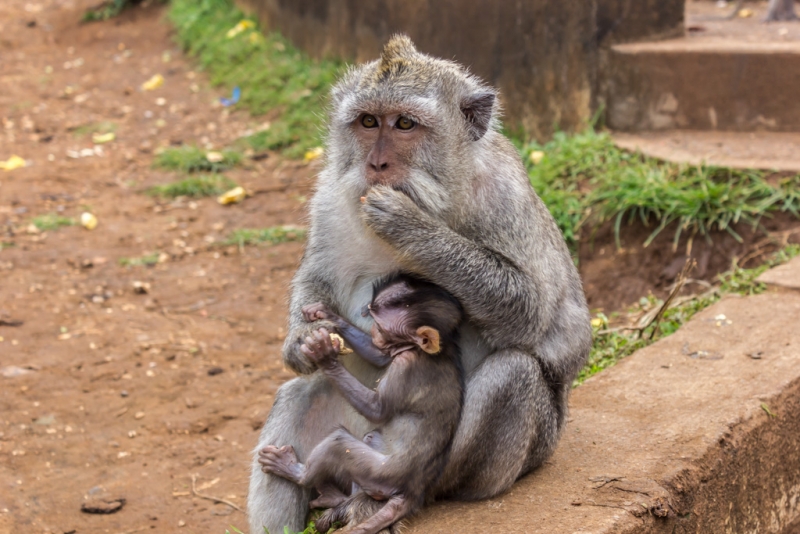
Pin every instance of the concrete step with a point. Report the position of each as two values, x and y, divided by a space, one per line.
778 151
704 83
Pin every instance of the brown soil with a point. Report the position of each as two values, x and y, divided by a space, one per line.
617 277
127 395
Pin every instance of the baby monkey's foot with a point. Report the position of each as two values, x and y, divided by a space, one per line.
282 462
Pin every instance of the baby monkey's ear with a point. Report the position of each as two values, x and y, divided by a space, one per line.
428 339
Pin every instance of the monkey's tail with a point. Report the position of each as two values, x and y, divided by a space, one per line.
356 509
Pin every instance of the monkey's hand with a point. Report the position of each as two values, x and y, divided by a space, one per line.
390 213
318 311
294 358
321 349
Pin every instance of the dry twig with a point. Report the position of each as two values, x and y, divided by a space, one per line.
209 497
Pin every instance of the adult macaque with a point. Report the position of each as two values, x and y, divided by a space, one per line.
416 405
448 199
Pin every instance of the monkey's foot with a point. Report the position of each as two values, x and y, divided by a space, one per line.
281 462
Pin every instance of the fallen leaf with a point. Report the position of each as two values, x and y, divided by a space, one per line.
100 138
239 28
235 195
314 153
14 162
88 220
153 83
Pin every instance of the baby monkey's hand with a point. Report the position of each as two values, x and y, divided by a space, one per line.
318 312
321 349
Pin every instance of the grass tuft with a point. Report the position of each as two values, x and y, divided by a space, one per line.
272 235
51 221
147 260
611 345
586 181
107 10
194 159
271 73
94 127
194 186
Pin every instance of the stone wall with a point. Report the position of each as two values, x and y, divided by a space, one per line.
542 54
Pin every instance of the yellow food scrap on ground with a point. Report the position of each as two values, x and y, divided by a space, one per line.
745 13
88 220
14 162
239 28
153 83
313 154
237 194
215 157
536 157
100 138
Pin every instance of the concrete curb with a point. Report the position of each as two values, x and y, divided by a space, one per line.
696 433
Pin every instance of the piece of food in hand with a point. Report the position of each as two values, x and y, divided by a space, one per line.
343 349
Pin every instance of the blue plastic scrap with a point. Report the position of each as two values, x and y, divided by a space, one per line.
235 95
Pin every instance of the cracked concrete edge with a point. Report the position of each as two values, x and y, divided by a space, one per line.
696 433
785 276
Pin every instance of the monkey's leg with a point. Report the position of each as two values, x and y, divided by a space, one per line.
509 424
342 456
329 497
395 509
305 411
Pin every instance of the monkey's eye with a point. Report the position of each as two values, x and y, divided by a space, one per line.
404 123
369 121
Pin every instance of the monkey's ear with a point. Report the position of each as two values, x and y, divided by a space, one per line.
428 339
477 110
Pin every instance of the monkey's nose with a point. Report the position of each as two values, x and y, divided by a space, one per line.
377 161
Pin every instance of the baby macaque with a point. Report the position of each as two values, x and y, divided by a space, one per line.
415 407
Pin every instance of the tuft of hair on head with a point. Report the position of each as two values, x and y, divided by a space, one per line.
400 46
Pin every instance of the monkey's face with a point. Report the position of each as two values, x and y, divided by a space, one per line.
410 122
391 141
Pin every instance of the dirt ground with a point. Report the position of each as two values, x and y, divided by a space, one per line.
113 394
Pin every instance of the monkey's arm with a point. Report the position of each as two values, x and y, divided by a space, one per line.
320 349
306 288
497 294
358 340
361 342
367 402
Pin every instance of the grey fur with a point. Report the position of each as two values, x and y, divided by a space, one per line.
467 220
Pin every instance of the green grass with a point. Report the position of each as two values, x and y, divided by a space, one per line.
107 10
586 181
270 236
51 221
146 260
194 159
95 127
193 186
611 345
271 73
